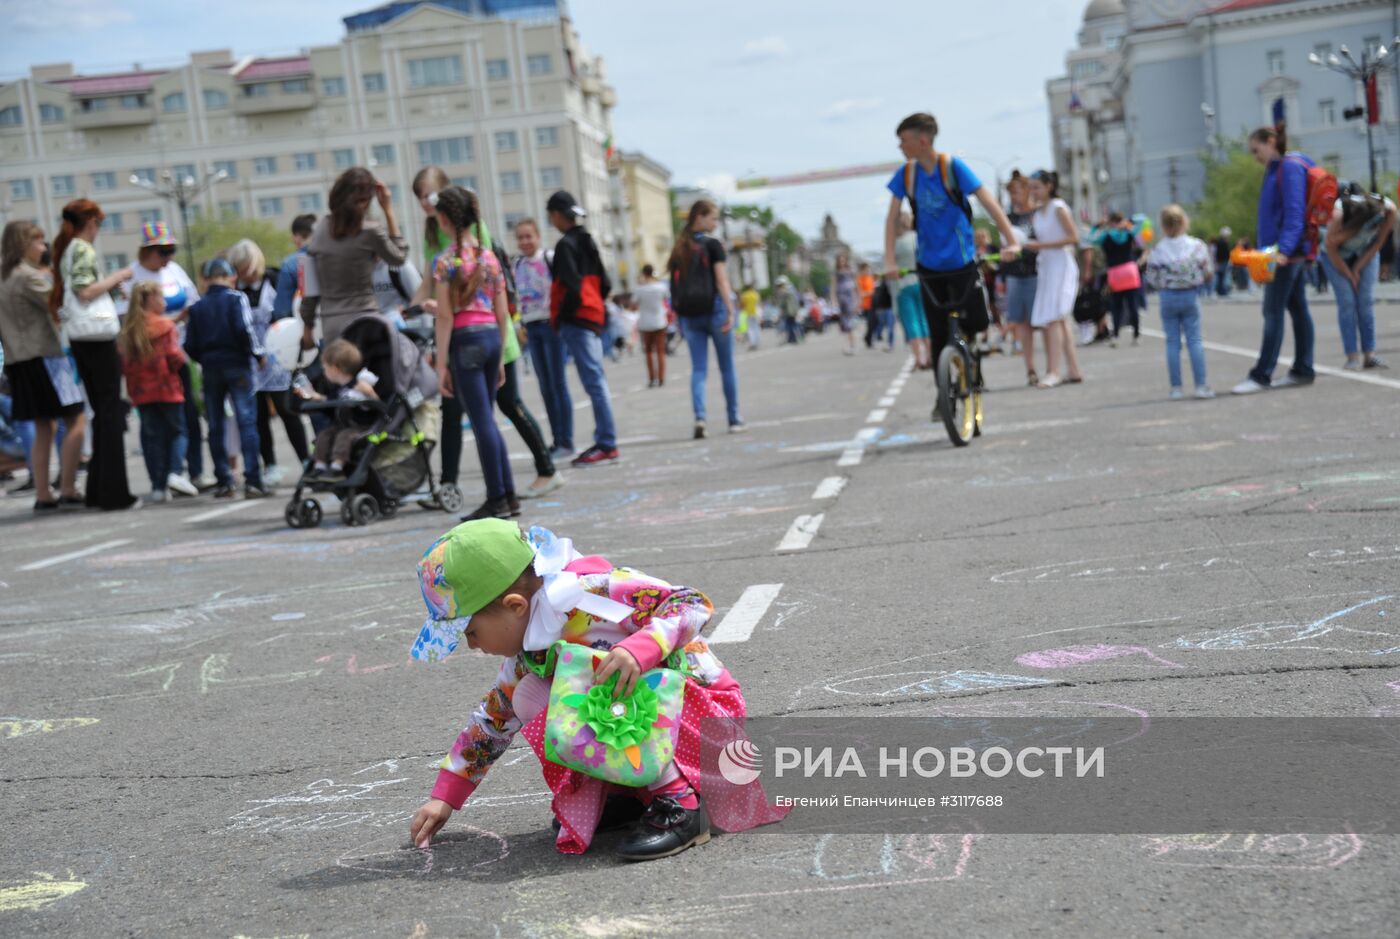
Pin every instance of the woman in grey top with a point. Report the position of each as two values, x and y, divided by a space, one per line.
342 253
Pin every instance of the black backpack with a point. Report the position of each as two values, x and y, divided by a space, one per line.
693 290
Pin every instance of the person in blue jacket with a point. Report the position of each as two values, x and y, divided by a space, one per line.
1282 215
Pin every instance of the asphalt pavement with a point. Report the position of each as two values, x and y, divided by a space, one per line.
209 725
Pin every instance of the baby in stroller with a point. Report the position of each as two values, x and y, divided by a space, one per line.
341 365
382 397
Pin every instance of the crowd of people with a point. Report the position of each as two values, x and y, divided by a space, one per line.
193 360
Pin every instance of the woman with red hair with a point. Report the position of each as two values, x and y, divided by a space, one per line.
78 282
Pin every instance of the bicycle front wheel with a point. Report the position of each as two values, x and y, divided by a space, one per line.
955 401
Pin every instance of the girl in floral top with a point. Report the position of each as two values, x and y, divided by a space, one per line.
473 322
515 597
1178 266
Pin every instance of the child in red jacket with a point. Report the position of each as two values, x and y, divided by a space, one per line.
151 362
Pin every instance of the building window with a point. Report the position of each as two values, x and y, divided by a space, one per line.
497 70
228 167
173 103
373 81
21 189
1327 112
111 263
296 86
104 182
305 162
50 113
112 222
269 206
1275 59
439 70
551 177
309 202
507 141
513 219
132 102
466 182
382 154
185 171
265 166
448 150
62 185
232 209
344 158
11 116
94 104
215 99
150 216
333 87
546 136
511 181
257 90
144 176
539 64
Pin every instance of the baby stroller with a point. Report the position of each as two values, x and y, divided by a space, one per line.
390 466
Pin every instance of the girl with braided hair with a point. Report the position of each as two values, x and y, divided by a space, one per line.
472 324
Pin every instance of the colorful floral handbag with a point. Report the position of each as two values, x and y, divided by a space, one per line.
629 741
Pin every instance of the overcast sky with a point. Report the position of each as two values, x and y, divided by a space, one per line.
725 89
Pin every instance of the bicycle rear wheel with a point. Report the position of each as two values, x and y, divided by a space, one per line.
955 400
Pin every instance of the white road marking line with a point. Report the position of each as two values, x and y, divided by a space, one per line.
74 555
800 535
851 456
222 510
887 400
1286 361
738 624
829 488
876 416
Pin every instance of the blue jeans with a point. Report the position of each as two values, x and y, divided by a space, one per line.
699 330
1222 280
236 384
1181 315
586 349
1356 307
163 440
793 329
1286 292
885 322
547 355
476 364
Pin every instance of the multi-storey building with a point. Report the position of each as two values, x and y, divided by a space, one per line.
501 93
1157 84
646 186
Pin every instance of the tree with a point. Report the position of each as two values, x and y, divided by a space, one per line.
783 243
211 235
1230 196
819 277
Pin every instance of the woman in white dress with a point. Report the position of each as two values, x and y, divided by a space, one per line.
1057 276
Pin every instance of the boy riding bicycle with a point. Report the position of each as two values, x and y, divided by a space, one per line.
947 256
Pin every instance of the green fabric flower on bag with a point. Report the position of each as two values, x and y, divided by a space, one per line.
618 723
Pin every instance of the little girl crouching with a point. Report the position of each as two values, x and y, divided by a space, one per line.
517 597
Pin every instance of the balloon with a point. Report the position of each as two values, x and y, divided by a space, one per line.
283 343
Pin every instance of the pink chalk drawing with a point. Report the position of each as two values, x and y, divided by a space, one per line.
1072 656
1256 851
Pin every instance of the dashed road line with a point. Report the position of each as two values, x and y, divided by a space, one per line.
222 510
887 400
829 488
81 553
800 535
851 456
738 624
877 416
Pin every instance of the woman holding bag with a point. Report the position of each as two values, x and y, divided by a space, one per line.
83 301
1121 255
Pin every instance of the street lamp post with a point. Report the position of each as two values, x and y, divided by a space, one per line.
1373 64
181 190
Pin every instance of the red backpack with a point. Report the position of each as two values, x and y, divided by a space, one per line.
1319 198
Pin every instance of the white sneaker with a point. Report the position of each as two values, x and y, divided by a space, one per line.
551 483
272 475
1176 394
204 482
1292 381
178 484
1204 392
1248 387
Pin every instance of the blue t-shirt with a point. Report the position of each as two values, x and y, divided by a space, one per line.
945 234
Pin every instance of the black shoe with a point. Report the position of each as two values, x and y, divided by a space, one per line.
28 486
256 492
618 812
699 430
514 504
223 492
666 829
491 508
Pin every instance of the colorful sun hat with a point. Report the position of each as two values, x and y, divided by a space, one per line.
156 235
461 574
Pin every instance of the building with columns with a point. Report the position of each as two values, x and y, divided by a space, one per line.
1156 84
501 93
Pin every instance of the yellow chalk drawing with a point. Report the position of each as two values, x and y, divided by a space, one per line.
12 727
37 894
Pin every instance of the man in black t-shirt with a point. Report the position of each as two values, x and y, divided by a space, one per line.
1222 246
